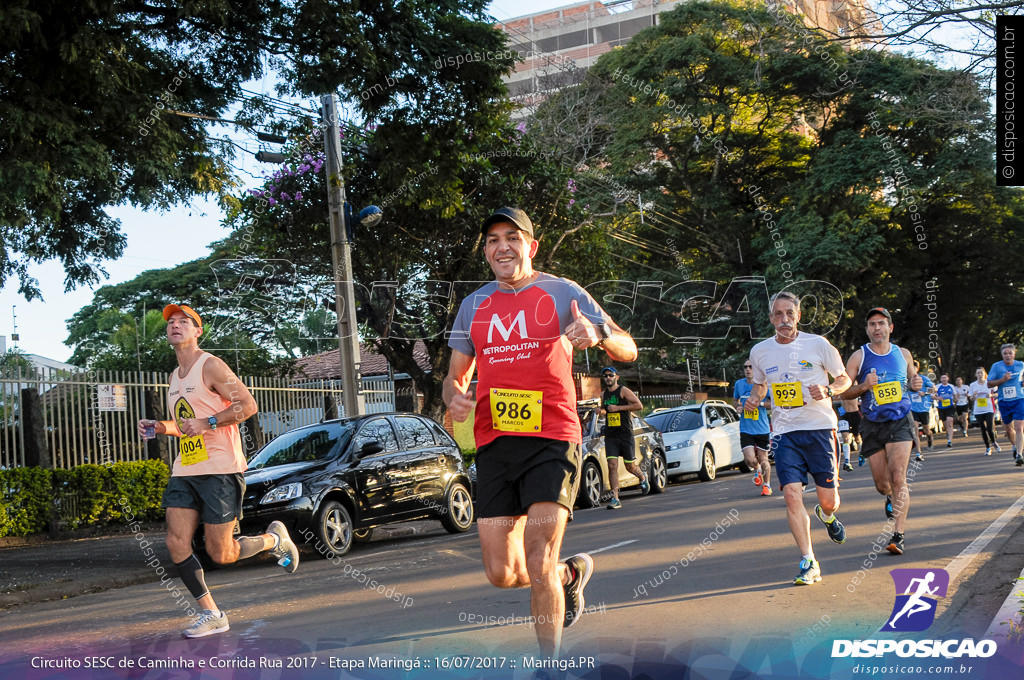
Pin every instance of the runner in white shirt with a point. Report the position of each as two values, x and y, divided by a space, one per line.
795 367
962 394
981 394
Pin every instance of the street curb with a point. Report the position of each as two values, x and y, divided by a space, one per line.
1010 615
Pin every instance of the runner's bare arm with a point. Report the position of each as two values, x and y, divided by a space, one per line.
853 369
219 378
632 401
455 389
913 378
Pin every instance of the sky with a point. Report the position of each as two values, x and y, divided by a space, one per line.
155 241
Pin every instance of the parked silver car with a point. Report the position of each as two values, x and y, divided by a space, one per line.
650 456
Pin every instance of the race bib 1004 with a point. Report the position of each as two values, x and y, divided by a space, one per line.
787 394
516 410
193 450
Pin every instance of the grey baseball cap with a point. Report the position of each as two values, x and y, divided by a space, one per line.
513 215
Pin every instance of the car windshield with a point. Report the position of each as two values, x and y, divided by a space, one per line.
675 421
586 416
299 446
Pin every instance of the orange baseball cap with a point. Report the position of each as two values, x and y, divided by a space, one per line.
184 309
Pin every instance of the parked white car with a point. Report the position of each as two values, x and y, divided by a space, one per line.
701 438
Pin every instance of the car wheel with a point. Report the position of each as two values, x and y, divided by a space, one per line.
590 486
458 506
707 466
362 535
334 529
658 474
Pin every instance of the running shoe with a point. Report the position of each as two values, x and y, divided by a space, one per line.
965 434
860 461
285 551
988 451
1019 459
836 530
616 504
847 467
919 458
581 567
999 449
766 490
207 624
888 507
758 480
949 443
645 486
810 572
895 544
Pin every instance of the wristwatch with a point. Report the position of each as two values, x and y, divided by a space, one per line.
606 331
212 420
828 390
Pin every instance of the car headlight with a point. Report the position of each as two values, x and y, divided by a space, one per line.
682 445
283 493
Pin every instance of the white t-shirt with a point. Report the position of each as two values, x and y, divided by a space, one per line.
788 370
980 390
961 392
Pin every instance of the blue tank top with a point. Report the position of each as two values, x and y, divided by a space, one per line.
891 367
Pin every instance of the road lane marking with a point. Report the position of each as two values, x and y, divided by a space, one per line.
609 547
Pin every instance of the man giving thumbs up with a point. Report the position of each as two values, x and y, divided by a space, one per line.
520 331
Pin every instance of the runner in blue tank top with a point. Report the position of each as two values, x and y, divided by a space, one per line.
883 377
1005 375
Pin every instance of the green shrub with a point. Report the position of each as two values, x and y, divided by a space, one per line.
88 495
25 496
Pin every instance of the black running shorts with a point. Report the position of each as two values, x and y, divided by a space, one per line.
616 447
759 441
515 472
218 498
875 436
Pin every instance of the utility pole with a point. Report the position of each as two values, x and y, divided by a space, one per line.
341 254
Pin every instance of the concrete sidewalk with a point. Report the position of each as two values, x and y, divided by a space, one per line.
37 569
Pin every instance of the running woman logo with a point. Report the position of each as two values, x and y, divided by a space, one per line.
914 610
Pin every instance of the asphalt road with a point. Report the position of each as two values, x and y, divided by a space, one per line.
697 578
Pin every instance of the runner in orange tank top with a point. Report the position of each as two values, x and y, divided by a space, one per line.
207 402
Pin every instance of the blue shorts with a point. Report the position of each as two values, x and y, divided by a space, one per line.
806 452
1010 411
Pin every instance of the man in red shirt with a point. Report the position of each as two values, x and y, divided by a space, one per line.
520 332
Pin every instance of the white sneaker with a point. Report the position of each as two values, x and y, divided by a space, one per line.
207 624
988 451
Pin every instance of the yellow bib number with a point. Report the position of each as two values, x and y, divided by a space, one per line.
887 392
516 410
787 394
945 403
752 415
614 419
981 402
193 450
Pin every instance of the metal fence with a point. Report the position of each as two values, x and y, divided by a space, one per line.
92 416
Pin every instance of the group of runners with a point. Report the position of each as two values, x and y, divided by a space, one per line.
517 334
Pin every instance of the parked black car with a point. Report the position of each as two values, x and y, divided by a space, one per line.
340 478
